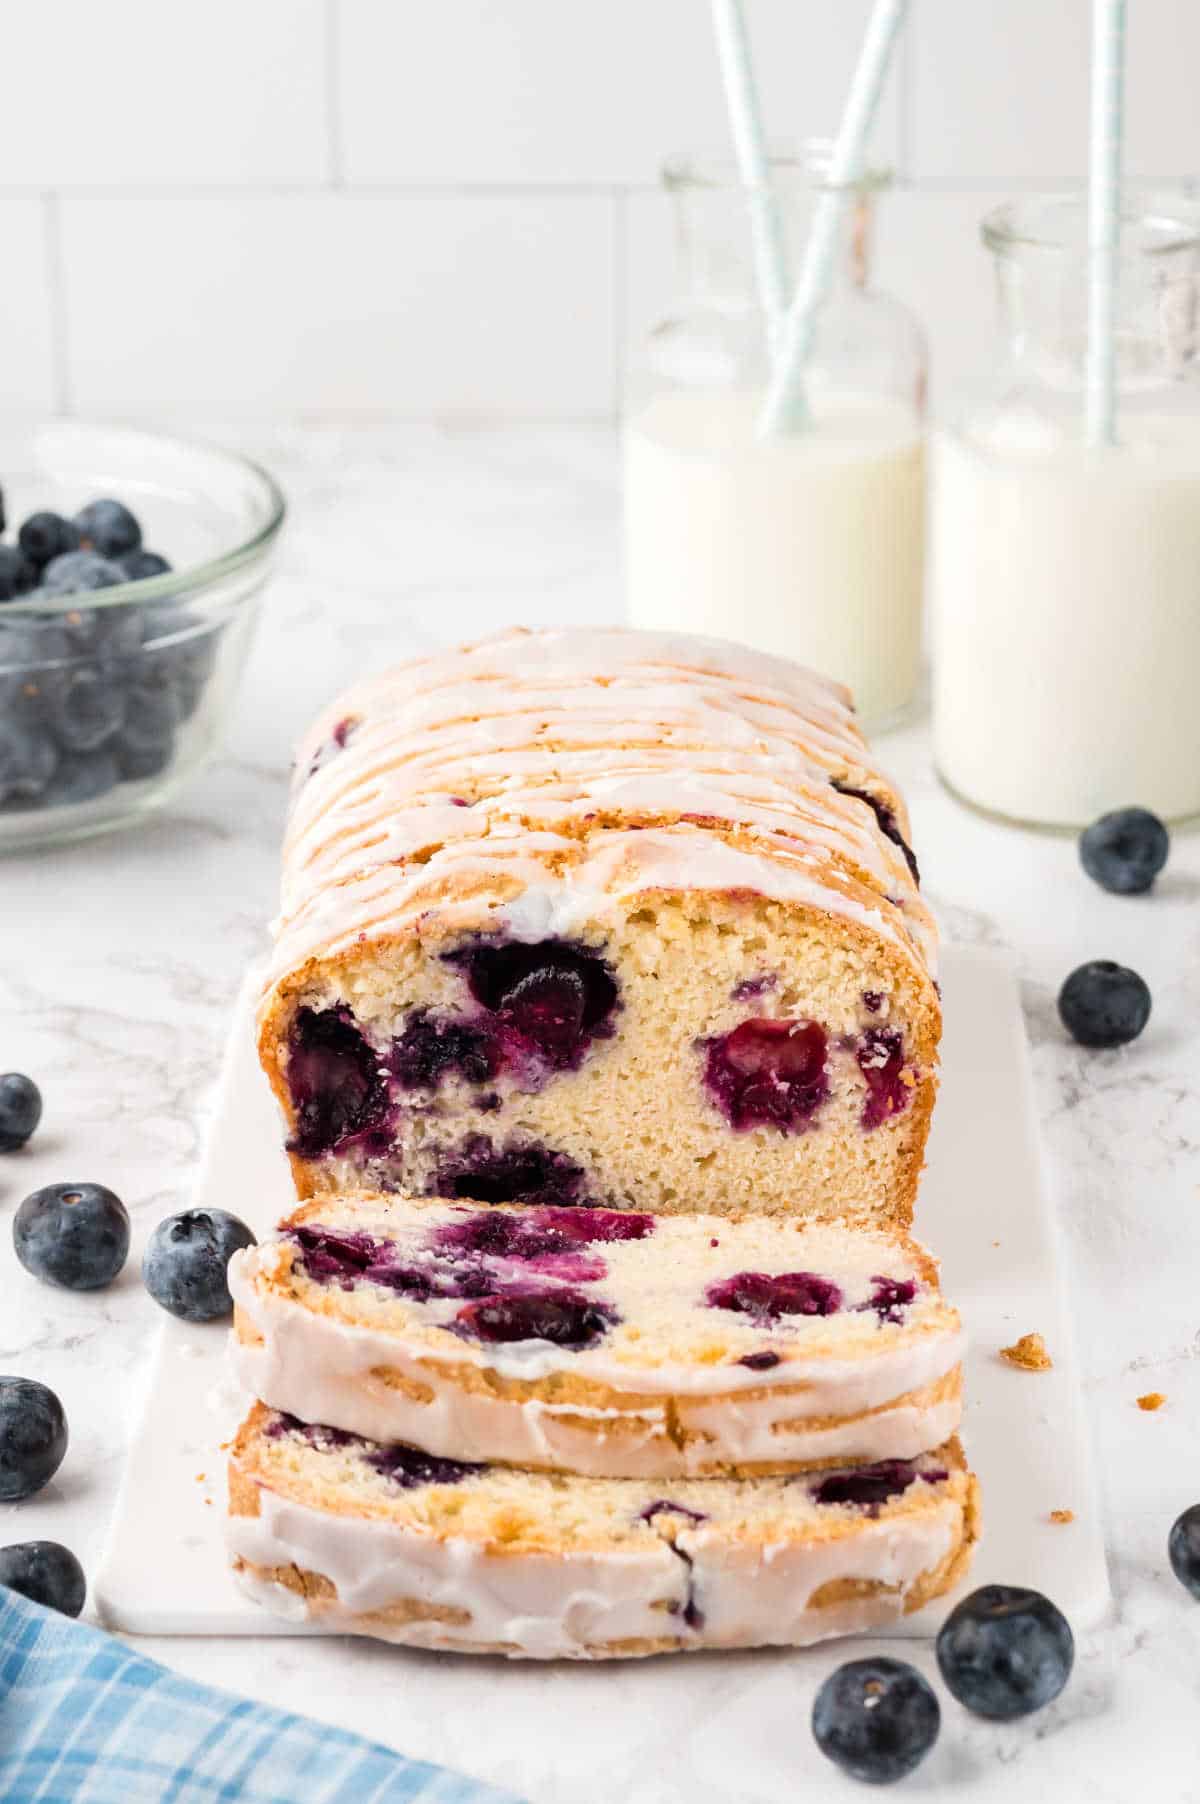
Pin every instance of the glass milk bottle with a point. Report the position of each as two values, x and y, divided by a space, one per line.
1066 578
809 545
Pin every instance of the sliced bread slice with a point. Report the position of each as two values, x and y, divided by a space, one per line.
390 1542
600 1342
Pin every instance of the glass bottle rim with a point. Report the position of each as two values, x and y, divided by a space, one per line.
792 167
1154 224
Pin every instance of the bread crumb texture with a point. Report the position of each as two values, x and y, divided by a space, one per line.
1029 1353
1062 1515
1152 1400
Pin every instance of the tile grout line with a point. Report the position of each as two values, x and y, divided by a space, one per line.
620 272
334 134
149 192
56 288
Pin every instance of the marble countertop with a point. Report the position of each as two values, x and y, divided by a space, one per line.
119 962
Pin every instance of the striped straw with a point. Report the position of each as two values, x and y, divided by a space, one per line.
750 148
1104 217
786 407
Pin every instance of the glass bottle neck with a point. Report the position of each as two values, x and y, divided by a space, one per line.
1043 281
714 234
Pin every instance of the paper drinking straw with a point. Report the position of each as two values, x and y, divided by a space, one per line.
785 407
1104 217
750 149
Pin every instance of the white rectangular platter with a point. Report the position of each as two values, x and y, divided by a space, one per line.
984 1209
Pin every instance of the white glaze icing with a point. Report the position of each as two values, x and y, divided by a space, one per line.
557 737
322 1369
568 1603
473 884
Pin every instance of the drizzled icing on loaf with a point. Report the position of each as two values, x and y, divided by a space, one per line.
552 773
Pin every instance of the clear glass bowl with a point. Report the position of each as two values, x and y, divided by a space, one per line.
111 700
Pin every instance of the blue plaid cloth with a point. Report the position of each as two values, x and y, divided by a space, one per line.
85 1720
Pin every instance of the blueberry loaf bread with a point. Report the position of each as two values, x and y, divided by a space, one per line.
601 1342
384 1540
586 917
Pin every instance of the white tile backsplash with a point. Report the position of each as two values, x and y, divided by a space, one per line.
1000 91
928 253
27 324
1162 70
652 277
387 304
138 92
538 91
300 207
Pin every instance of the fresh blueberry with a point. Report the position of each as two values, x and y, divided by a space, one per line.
28 758
1124 851
187 1259
109 528
33 1437
17 574
152 710
74 1235
84 707
134 763
167 621
114 633
876 1719
29 641
193 665
47 1573
45 536
82 777
20 1110
76 571
184 646
1005 1651
1104 1004
139 565
1183 1549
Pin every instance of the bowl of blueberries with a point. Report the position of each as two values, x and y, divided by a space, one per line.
132 568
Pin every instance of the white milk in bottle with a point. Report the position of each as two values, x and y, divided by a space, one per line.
810 544
1065 577
1066 598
